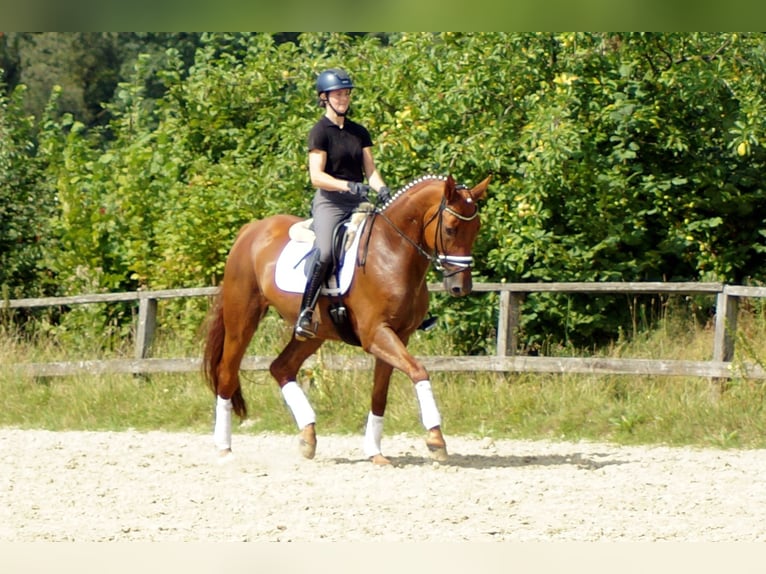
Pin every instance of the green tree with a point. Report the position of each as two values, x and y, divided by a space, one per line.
629 156
10 61
24 199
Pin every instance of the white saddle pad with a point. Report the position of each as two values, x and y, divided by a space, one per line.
291 273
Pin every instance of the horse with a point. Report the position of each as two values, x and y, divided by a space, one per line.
431 221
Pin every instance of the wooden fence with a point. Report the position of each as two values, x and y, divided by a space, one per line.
505 359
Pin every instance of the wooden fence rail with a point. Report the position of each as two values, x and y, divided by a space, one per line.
720 366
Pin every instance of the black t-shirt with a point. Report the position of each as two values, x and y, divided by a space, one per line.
343 146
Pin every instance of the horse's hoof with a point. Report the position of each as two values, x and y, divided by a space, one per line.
438 453
308 450
307 442
380 460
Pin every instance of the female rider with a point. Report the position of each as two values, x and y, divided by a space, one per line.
340 157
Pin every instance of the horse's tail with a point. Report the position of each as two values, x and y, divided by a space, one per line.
216 332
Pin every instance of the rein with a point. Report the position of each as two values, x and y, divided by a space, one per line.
437 260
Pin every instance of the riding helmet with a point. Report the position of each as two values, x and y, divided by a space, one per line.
333 79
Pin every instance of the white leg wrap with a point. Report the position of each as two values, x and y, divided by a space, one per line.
429 413
299 405
222 431
372 435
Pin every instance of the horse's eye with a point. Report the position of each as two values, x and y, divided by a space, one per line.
450 231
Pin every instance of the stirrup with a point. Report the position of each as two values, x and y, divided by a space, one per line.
305 328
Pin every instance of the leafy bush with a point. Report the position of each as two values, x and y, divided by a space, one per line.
627 157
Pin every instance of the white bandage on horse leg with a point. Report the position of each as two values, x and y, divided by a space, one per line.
222 431
429 413
372 435
299 405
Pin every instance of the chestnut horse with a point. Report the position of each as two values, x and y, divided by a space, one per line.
430 221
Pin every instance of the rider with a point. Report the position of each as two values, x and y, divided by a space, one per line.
340 157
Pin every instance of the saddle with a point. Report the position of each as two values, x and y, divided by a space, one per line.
342 241
345 237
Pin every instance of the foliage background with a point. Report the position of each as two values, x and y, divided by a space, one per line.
615 157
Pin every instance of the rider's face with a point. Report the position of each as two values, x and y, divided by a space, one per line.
340 99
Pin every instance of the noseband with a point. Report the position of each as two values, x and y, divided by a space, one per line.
440 261
459 263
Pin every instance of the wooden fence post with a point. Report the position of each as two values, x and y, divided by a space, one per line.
726 310
508 324
147 323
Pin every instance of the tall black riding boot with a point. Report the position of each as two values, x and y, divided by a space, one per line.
305 326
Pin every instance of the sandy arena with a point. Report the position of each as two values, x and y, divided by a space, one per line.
157 486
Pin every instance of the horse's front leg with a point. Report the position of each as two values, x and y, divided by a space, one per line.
285 370
374 431
429 414
389 348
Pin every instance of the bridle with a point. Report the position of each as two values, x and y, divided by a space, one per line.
441 261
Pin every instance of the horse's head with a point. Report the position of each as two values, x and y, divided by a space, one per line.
450 231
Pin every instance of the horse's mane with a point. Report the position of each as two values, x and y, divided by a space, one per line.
412 184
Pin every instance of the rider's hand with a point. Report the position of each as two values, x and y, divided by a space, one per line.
358 188
384 195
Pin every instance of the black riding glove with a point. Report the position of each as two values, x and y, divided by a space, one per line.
358 188
384 195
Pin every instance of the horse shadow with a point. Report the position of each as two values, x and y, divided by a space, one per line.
592 461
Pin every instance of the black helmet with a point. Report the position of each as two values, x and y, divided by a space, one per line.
333 79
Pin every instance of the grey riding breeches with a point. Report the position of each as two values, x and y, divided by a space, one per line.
328 209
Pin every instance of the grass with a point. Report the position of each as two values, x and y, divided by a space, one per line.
619 409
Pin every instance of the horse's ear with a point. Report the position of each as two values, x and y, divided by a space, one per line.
480 191
449 188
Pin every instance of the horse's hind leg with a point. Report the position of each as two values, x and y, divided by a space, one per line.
285 370
242 312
